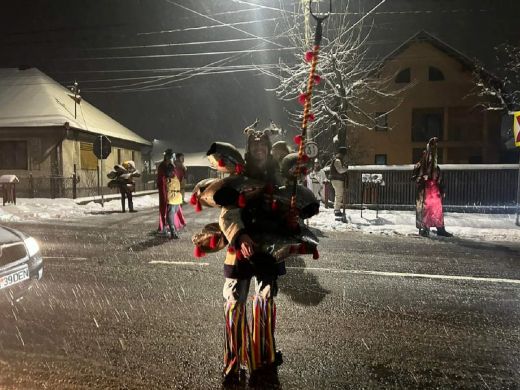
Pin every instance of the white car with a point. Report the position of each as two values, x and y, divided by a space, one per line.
20 259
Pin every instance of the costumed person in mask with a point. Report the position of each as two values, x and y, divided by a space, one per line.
316 180
261 230
430 191
173 186
279 150
238 225
122 177
181 172
165 170
338 175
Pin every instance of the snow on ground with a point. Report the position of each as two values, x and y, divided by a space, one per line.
487 227
66 209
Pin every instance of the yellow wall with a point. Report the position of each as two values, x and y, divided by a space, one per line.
456 90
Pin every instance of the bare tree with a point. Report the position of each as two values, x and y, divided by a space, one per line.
501 91
349 81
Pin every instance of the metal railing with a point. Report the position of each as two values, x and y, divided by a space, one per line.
467 186
68 187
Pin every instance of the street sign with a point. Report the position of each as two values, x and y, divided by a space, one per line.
311 149
102 147
516 127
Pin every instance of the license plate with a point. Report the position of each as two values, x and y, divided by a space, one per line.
15 277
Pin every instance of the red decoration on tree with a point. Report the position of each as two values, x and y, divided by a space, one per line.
274 205
305 158
302 98
309 56
239 168
241 200
297 139
317 79
315 254
213 241
193 199
230 249
311 117
197 252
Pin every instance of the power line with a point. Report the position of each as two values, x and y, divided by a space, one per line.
207 27
219 22
162 45
248 51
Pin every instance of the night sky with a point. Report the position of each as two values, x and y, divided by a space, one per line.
78 40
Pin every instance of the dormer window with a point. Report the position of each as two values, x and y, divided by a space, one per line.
435 74
403 76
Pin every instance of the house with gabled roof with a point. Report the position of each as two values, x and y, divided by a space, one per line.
47 134
438 98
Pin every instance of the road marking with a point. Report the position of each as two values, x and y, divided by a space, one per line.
64 257
177 262
410 275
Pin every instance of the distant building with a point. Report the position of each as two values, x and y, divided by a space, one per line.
46 133
439 99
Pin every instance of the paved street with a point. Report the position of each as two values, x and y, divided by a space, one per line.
121 308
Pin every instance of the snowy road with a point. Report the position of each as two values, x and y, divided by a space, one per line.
121 308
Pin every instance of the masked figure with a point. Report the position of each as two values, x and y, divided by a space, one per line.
165 171
430 192
122 177
261 230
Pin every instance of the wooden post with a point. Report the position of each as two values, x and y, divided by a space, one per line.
31 185
74 181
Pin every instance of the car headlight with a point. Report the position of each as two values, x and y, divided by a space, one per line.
32 246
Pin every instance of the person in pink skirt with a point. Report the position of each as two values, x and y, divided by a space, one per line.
430 192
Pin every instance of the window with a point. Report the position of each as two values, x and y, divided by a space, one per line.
380 159
427 123
403 76
13 155
381 121
435 74
88 160
465 124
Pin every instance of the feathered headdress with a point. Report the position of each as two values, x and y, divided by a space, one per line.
264 135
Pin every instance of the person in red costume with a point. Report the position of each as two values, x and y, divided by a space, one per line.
430 192
164 171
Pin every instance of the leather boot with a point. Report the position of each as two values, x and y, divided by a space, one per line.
442 232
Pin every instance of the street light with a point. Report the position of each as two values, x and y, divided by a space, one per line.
77 98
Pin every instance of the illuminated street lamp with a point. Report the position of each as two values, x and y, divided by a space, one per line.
77 98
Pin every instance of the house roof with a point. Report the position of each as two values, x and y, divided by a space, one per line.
423 36
30 98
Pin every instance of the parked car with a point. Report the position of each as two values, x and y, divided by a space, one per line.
20 259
